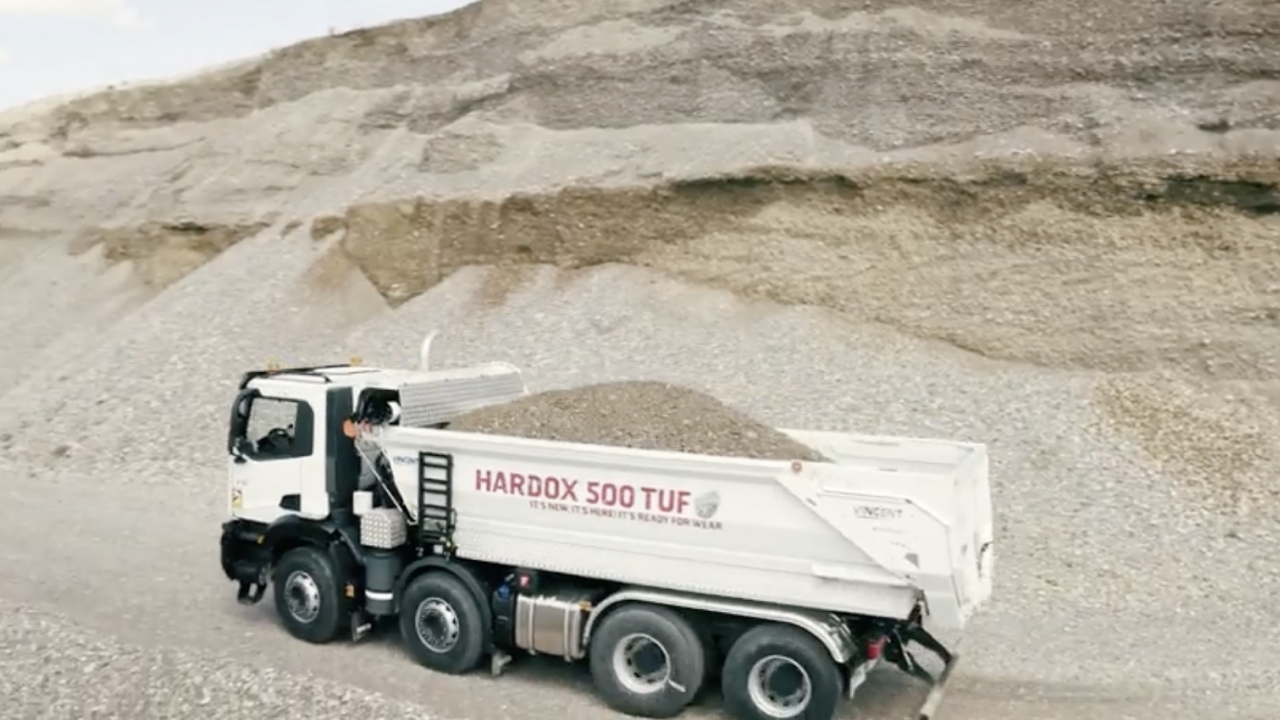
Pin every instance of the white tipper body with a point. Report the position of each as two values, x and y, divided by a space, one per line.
889 521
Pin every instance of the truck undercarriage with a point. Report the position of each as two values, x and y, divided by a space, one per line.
253 554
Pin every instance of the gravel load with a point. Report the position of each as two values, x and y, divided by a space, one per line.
638 414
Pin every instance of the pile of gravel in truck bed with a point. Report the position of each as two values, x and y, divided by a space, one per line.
646 415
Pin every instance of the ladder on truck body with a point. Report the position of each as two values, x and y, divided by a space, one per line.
436 515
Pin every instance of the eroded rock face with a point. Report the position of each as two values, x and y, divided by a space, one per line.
163 253
1076 185
1128 270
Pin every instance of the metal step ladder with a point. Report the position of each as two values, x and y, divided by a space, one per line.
436 516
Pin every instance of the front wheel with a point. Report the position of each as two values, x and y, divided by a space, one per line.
307 594
442 624
780 672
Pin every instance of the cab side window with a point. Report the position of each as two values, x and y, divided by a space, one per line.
279 428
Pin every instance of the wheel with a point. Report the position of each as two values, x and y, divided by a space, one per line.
308 599
647 661
442 624
780 672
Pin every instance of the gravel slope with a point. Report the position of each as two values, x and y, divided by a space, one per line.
1048 226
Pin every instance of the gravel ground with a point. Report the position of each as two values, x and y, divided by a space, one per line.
644 415
1086 529
54 669
51 669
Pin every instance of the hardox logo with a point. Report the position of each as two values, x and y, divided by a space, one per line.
706 504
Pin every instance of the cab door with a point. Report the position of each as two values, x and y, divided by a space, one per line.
271 443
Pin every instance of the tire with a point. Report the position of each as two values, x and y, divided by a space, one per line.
790 650
453 619
308 598
657 635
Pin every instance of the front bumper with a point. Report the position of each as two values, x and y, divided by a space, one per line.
245 560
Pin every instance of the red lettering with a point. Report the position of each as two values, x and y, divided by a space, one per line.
683 501
648 497
666 500
669 503
569 491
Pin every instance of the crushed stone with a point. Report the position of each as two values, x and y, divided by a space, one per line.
638 414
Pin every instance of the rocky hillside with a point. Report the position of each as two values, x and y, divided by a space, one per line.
1063 147
1070 184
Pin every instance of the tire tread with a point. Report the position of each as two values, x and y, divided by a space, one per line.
316 563
469 651
790 641
688 659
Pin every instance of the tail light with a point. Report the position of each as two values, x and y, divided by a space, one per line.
874 647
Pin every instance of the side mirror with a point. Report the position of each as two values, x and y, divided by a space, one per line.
238 424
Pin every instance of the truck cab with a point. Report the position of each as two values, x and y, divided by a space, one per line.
291 451
281 446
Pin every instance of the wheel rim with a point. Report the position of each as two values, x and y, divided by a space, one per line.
779 687
437 625
302 596
641 664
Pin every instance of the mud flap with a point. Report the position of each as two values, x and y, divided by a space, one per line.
251 592
896 651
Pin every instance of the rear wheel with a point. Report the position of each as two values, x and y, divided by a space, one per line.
647 661
780 672
307 594
442 623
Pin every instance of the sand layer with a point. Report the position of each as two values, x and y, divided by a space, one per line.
1144 268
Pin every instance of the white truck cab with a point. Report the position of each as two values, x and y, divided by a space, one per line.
277 448
351 498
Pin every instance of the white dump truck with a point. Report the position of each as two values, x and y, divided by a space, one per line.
786 580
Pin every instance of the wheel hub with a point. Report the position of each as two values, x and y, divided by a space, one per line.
779 687
641 664
302 597
437 625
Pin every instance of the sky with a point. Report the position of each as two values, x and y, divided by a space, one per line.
51 47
